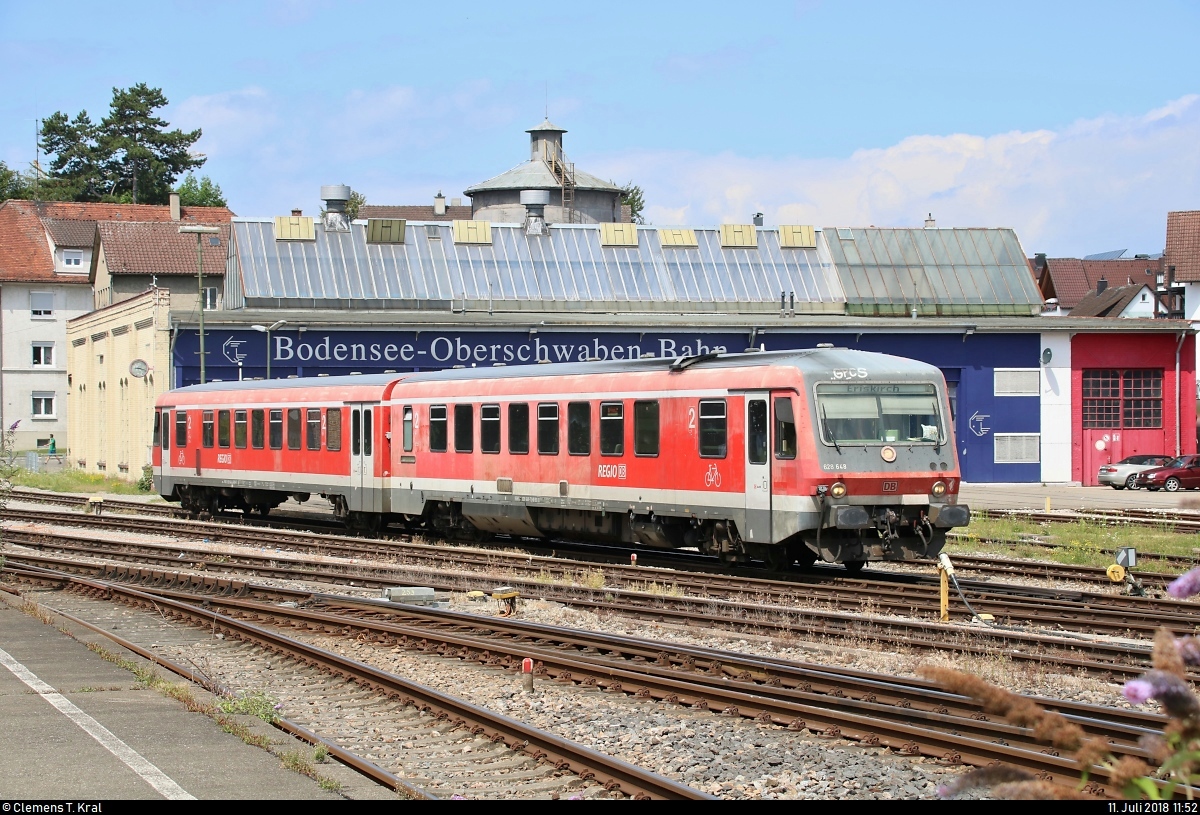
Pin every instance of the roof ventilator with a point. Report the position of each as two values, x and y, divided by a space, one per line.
335 217
683 363
535 202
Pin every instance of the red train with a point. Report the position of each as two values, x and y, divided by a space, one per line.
832 454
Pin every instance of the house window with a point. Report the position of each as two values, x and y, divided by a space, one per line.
41 304
1116 399
43 405
72 258
209 302
43 354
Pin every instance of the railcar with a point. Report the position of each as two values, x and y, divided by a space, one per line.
782 457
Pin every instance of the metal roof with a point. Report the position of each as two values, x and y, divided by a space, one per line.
536 175
937 271
1115 254
568 270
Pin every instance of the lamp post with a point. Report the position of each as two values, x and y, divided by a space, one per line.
268 330
198 231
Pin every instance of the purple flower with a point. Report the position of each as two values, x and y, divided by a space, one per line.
1185 585
1138 691
1189 650
13 426
1168 690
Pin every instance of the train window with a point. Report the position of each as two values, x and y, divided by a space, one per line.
181 428
222 428
548 429
256 429
612 429
785 428
239 429
438 435
312 429
356 432
895 413
276 435
157 425
333 429
518 429
464 428
408 428
293 428
367 434
206 432
579 428
166 430
756 431
645 428
489 429
714 429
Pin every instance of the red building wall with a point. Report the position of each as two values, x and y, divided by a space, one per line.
1093 447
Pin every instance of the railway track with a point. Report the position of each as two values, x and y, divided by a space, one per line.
498 756
899 595
1080 652
910 716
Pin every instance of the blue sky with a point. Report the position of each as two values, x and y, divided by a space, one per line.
1077 124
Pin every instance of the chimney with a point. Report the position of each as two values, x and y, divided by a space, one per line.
456 202
335 196
175 206
296 213
535 202
930 223
439 204
1101 285
758 219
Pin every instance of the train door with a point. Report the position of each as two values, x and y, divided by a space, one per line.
758 469
365 494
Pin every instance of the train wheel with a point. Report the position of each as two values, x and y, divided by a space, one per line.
801 554
854 566
777 557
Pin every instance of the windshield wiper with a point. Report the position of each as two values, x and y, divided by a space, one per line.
832 437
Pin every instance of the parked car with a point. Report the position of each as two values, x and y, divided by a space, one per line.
1124 473
1181 473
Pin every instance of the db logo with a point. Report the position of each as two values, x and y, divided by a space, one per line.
891 486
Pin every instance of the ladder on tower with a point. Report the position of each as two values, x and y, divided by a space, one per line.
563 172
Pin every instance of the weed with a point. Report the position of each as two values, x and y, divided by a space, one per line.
255 703
320 754
75 481
328 784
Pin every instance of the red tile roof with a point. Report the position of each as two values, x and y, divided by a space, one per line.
158 248
24 249
28 227
126 212
1072 278
414 213
1183 245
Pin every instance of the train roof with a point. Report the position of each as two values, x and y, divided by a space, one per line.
808 361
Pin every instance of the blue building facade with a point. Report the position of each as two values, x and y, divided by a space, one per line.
968 360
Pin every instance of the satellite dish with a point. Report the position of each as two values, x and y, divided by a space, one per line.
1047 355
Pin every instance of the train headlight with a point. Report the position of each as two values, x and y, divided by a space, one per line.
939 488
838 490
888 454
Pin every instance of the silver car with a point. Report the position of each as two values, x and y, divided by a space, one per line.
1124 473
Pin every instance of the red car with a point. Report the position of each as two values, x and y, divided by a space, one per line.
1181 473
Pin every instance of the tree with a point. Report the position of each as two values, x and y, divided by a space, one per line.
357 199
12 184
129 156
202 193
632 197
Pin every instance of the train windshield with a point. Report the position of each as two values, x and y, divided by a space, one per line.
861 413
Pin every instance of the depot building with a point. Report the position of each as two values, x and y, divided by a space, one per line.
1034 399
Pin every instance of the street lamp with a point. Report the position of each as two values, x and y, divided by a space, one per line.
199 231
268 330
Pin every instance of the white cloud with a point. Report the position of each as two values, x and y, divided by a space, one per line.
1098 184
233 121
